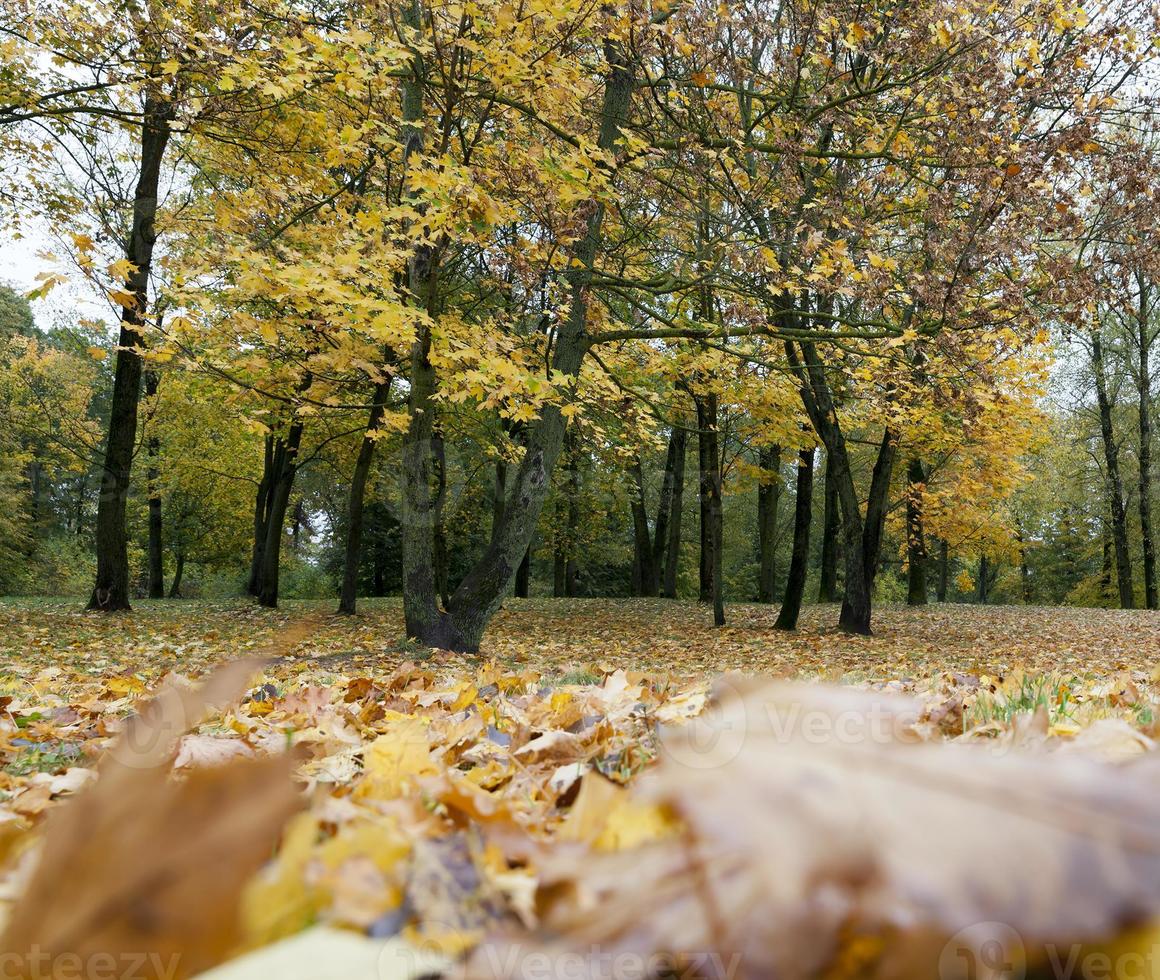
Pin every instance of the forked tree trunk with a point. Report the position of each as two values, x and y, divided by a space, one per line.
460 626
1115 483
831 527
286 456
795 583
862 536
271 504
768 498
111 589
916 556
348 597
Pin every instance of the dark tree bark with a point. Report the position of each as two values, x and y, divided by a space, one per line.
795 584
1144 397
261 515
644 578
768 498
831 528
524 575
461 624
705 522
984 586
916 556
944 570
178 572
439 533
152 477
862 537
672 557
1115 483
111 589
348 596
278 502
1106 564
567 527
709 466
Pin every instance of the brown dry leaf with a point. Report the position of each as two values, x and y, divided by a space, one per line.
819 835
141 864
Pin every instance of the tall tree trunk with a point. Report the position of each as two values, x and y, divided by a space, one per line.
178 572
281 487
1115 483
261 515
705 467
1144 397
716 516
831 527
983 588
862 538
795 584
944 570
460 627
664 507
348 597
567 526
152 478
111 589
643 572
439 533
916 555
676 505
768 498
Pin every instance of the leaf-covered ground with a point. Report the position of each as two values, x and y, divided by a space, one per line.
435 785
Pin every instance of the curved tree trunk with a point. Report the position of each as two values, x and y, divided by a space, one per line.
111 589
178 572
460 627
795 585
348 597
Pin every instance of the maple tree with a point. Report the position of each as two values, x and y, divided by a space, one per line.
830 243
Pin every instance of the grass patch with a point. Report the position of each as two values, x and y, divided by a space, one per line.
1051 691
